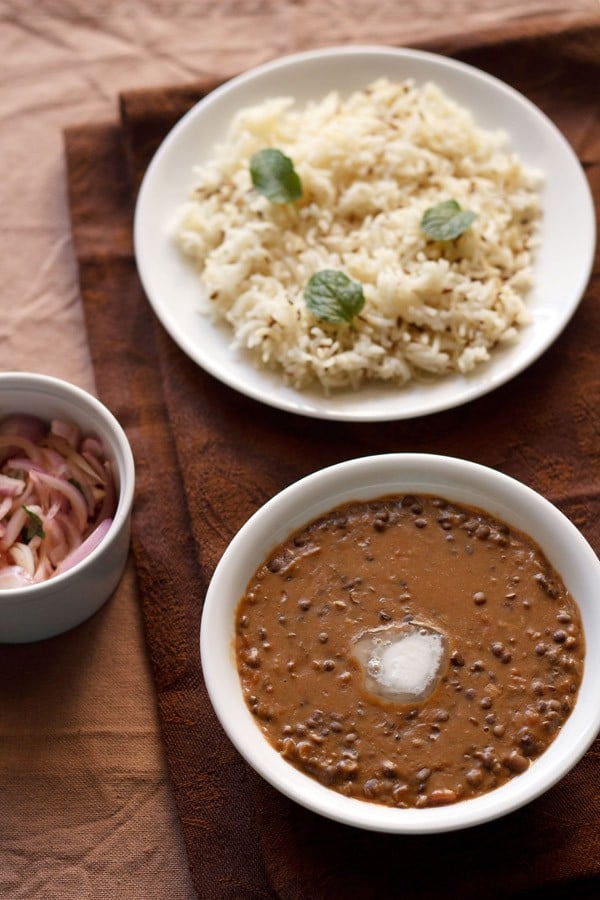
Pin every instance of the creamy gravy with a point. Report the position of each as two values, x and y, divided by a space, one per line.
409 651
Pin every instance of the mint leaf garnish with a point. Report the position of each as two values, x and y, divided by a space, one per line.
446 221
333 297
35 526
273 175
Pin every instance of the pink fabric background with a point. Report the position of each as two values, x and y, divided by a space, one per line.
86 808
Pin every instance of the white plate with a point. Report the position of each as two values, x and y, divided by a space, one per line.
563 262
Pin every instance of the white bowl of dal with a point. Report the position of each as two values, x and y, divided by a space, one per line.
455 480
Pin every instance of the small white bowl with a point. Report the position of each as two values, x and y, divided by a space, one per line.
51 607
368 478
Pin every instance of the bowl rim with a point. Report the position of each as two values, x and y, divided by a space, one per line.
60 389
317 491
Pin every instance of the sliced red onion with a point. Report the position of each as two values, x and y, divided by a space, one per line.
71 493
67 430
109 503
12 443
92 445
14 577
27 426
63 487
95 464
21 464
14 527
11 487
84 549
22 556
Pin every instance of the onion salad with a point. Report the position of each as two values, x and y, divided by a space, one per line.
57 498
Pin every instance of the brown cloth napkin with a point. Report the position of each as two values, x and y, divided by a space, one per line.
208 457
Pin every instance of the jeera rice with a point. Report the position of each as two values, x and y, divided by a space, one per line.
371 165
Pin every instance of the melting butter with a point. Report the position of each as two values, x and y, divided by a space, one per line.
402 663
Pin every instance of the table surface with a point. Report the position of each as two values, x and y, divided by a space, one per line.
87 809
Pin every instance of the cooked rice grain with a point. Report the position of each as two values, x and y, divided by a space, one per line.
370 165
